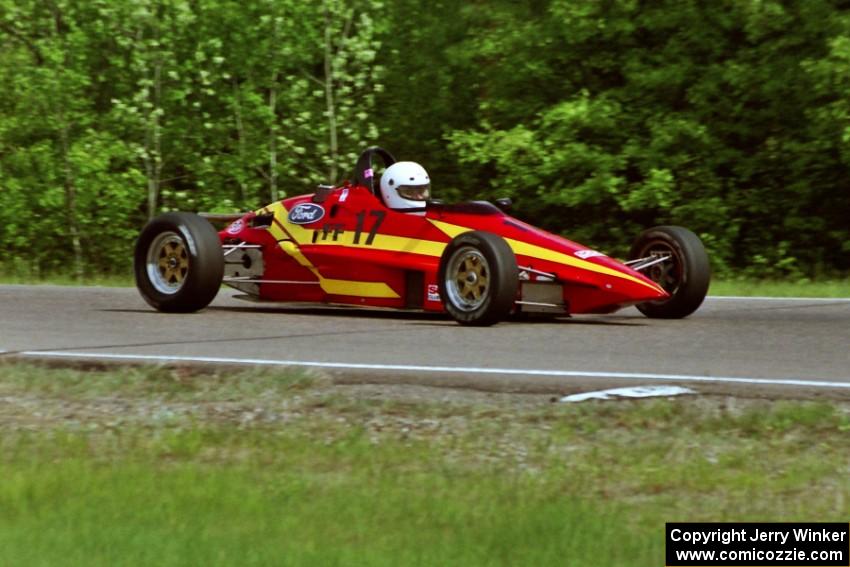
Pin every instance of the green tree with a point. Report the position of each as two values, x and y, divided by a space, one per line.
48 132
611 116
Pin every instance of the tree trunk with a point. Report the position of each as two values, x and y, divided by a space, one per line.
153 146
68 178
329 97
273 139
71 199
152 157
240 141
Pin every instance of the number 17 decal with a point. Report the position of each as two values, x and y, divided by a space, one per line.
361 220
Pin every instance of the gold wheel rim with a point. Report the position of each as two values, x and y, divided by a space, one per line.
468 279
173 262
168 263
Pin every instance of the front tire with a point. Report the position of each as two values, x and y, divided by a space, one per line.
178 263
685 276
478 278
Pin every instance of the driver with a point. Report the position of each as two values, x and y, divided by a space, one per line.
405 187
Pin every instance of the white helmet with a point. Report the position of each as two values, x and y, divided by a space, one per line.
405 185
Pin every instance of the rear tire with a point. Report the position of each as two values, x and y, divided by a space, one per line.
685 276
478 278
178 263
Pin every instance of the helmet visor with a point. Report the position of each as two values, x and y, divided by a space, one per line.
415 192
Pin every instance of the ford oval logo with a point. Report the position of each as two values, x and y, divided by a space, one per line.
305 213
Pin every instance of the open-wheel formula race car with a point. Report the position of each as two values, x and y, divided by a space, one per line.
344 245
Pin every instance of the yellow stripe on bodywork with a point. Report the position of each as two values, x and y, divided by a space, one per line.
541 253
451 230
329 285
384 242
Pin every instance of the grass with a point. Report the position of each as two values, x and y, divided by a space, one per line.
10 277
276 511
775 288
173 467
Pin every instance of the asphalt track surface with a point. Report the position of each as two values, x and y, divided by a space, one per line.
751 346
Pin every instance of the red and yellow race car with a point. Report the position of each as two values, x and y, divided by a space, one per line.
349 245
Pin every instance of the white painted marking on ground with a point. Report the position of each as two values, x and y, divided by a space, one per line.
443 369
636 392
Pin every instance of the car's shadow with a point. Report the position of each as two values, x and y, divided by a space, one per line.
334 311
424 317
421 318
136 311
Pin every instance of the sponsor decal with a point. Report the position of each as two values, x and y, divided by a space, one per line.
236 227
586 254
306 213
433 292
544 279
368 173
344 195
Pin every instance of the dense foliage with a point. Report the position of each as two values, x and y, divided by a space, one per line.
597 117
